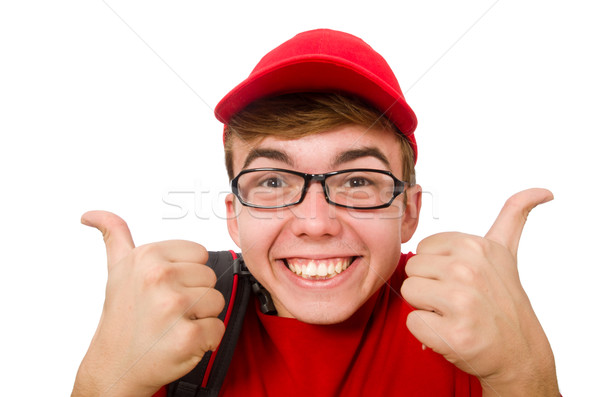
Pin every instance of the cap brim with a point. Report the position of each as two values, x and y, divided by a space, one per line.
320 73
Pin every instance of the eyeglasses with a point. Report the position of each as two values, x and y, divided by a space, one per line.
359 188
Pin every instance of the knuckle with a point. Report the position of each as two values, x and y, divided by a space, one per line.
156 274
219 300
185 341
462 339
197 246
143 252
220 328
199 250
407 288
420 247
412 321
173 303
514 204
473 244
199 336
462 301
426 243
411 266
210 276
214 336
113 221
466 273
107 223
211 302
203 252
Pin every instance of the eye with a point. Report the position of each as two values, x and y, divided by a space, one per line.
273 182
357 181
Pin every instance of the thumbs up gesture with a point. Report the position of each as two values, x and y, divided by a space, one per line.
159 316
471 307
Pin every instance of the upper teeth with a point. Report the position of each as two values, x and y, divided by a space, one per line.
318 267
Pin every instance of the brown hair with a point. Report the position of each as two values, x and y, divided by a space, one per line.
294 116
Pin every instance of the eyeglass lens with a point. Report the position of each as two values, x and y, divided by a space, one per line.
279 188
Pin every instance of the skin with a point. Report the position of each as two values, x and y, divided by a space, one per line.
315 229
469 304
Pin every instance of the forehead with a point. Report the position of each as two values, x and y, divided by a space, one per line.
320 152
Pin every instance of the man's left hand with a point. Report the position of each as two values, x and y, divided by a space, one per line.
471 307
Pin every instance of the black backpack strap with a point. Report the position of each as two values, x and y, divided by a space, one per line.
233 281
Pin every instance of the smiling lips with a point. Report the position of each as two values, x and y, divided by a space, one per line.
318 269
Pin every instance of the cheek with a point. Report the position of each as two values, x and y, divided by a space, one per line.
257 230
384 225
258 233
382 236
385 250
391 221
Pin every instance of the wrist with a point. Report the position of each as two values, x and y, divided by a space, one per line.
95 382
536 378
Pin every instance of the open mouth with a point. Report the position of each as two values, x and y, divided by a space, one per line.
319 269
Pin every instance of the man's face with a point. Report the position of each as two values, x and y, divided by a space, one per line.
364 243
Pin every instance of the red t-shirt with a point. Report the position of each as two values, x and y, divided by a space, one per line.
370 354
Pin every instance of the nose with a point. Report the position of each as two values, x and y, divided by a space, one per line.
314 217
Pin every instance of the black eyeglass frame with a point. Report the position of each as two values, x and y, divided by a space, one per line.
399 186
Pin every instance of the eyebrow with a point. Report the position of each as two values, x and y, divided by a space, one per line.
354 154
269 154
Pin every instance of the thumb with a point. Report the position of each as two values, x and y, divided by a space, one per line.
508 227
115 232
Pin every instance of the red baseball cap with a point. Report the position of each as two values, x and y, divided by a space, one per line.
324 60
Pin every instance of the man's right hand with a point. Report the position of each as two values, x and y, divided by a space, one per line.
159 315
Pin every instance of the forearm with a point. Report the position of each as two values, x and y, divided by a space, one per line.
94 380
538 378
541 390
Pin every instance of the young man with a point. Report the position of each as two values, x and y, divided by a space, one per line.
320 149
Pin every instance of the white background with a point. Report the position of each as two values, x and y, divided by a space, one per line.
108 105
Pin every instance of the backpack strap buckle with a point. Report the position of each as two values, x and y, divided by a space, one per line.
266 302
239 267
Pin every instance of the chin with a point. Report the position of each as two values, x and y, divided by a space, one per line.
322 314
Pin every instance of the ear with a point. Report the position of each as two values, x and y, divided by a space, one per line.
410 219
231 205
